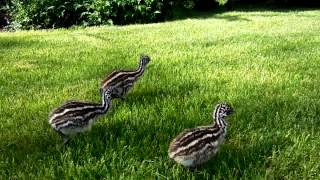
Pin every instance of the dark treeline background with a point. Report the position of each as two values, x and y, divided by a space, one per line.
4 13
37 14
262 4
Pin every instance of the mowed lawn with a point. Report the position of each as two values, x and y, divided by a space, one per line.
266 64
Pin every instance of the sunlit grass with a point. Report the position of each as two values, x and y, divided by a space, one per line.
266 64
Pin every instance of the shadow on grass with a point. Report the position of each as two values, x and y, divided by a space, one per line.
214 14
237 161
231 17
21 148
148 140
98 36
11 43
218 12
169 90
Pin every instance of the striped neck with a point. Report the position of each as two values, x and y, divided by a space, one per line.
140 70
220 122
219 118
106 103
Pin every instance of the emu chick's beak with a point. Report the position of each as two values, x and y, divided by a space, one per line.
231 111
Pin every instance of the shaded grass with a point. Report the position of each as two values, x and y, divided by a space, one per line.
267 66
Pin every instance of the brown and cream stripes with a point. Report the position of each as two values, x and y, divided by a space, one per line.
123 80
75 117
195 146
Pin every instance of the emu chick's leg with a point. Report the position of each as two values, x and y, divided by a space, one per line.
66 140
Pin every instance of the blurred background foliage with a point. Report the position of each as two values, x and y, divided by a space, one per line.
39 14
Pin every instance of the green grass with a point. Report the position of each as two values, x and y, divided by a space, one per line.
266 64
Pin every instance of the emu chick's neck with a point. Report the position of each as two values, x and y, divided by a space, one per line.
140 70
105 105
220 121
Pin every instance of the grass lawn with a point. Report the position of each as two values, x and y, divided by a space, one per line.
266 64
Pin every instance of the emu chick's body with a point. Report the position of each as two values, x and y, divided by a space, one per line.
123 80
196 146
75 117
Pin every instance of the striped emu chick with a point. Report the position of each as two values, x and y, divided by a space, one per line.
75 117
196 146
122 80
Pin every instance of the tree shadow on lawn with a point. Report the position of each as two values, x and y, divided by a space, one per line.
132 132
147 140
214 14
48 143
99 37
156 136
148 96
24 147
8 43
239 160
150 140
218 12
